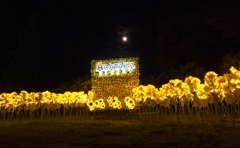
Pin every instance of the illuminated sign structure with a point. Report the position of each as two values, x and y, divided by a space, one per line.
115 67
114 77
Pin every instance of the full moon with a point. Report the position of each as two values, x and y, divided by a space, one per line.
124 38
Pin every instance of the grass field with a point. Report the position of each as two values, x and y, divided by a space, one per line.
73 132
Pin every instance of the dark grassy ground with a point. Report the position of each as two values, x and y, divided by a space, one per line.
71 132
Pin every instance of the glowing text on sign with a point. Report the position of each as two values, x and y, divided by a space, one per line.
117 67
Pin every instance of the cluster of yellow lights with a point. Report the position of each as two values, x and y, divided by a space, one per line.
192 82
214 89
48 100
130 103
95 105
118 82
114 103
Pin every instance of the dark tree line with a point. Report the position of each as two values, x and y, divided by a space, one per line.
185 38
39 61
195 37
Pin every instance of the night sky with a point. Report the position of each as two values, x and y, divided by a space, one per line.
58 40
84 26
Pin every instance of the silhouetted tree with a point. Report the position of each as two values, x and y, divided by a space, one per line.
224 16
80 84
191 69
42 59
184 39
230 59
186 45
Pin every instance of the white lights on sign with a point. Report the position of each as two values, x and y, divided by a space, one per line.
114 67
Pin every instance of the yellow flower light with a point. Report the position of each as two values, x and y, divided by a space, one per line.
130 103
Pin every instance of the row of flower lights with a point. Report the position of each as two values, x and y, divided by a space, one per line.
215 89
225 87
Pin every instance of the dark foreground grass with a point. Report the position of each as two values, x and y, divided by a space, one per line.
73 132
